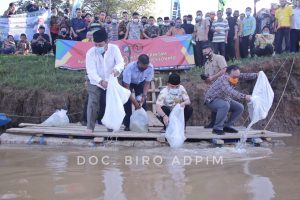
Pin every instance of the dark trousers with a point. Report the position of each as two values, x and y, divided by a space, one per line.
188 111
245 45
53 38
41 49
295 39
138 89
282 34
219 48
9 50
102 99
199 58
222 108
230 49
267 51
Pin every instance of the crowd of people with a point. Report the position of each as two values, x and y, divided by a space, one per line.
238 35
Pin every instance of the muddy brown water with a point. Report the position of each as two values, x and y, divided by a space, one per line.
115 172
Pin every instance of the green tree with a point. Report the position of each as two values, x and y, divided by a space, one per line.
117 6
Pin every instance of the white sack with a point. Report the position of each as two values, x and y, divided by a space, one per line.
59 118
116 97
139 121
175 128
262 99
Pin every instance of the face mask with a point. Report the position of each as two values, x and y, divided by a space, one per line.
63 32
114 21
233 81
135 20
167 23
265 33
189 22
178 25
208 56
160 23
248 13
108 22
199 17
173 91
100 50
172 24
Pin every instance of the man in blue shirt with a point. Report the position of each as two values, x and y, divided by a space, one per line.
137 76
78 26
248 34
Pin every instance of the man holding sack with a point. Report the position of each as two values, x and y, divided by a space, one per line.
101 60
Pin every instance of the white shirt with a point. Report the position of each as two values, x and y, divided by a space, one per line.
99 67
296 19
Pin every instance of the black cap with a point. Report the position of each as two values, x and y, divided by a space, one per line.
42 27
206 45
174 79
100 35
166 18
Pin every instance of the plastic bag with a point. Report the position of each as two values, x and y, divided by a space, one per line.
262 99
139 121
175 129
116 97
59 118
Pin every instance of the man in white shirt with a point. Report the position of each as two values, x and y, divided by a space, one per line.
295 28
101 60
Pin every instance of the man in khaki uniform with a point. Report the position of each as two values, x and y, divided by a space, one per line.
214 67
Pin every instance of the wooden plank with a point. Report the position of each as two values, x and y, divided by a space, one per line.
218 142
153 96
130 134
98 139
153 121
190 130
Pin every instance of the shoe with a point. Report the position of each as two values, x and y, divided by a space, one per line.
83 123
126 129
218 132
163 130
230 130
209 125
109 130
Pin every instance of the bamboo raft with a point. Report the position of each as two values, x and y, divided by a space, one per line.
74 134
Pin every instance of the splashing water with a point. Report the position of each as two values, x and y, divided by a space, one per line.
241 145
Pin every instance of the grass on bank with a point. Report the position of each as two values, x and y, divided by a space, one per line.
38 72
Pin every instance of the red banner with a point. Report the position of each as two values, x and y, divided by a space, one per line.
164 52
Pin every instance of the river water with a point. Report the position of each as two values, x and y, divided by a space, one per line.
195 171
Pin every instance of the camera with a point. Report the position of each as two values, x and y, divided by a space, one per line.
204 77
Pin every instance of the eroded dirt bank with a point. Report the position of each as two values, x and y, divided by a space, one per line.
38 103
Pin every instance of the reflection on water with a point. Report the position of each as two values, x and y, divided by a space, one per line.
113 182
58 163
261 187
44 173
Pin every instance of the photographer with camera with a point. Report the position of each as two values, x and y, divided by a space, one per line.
214 67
